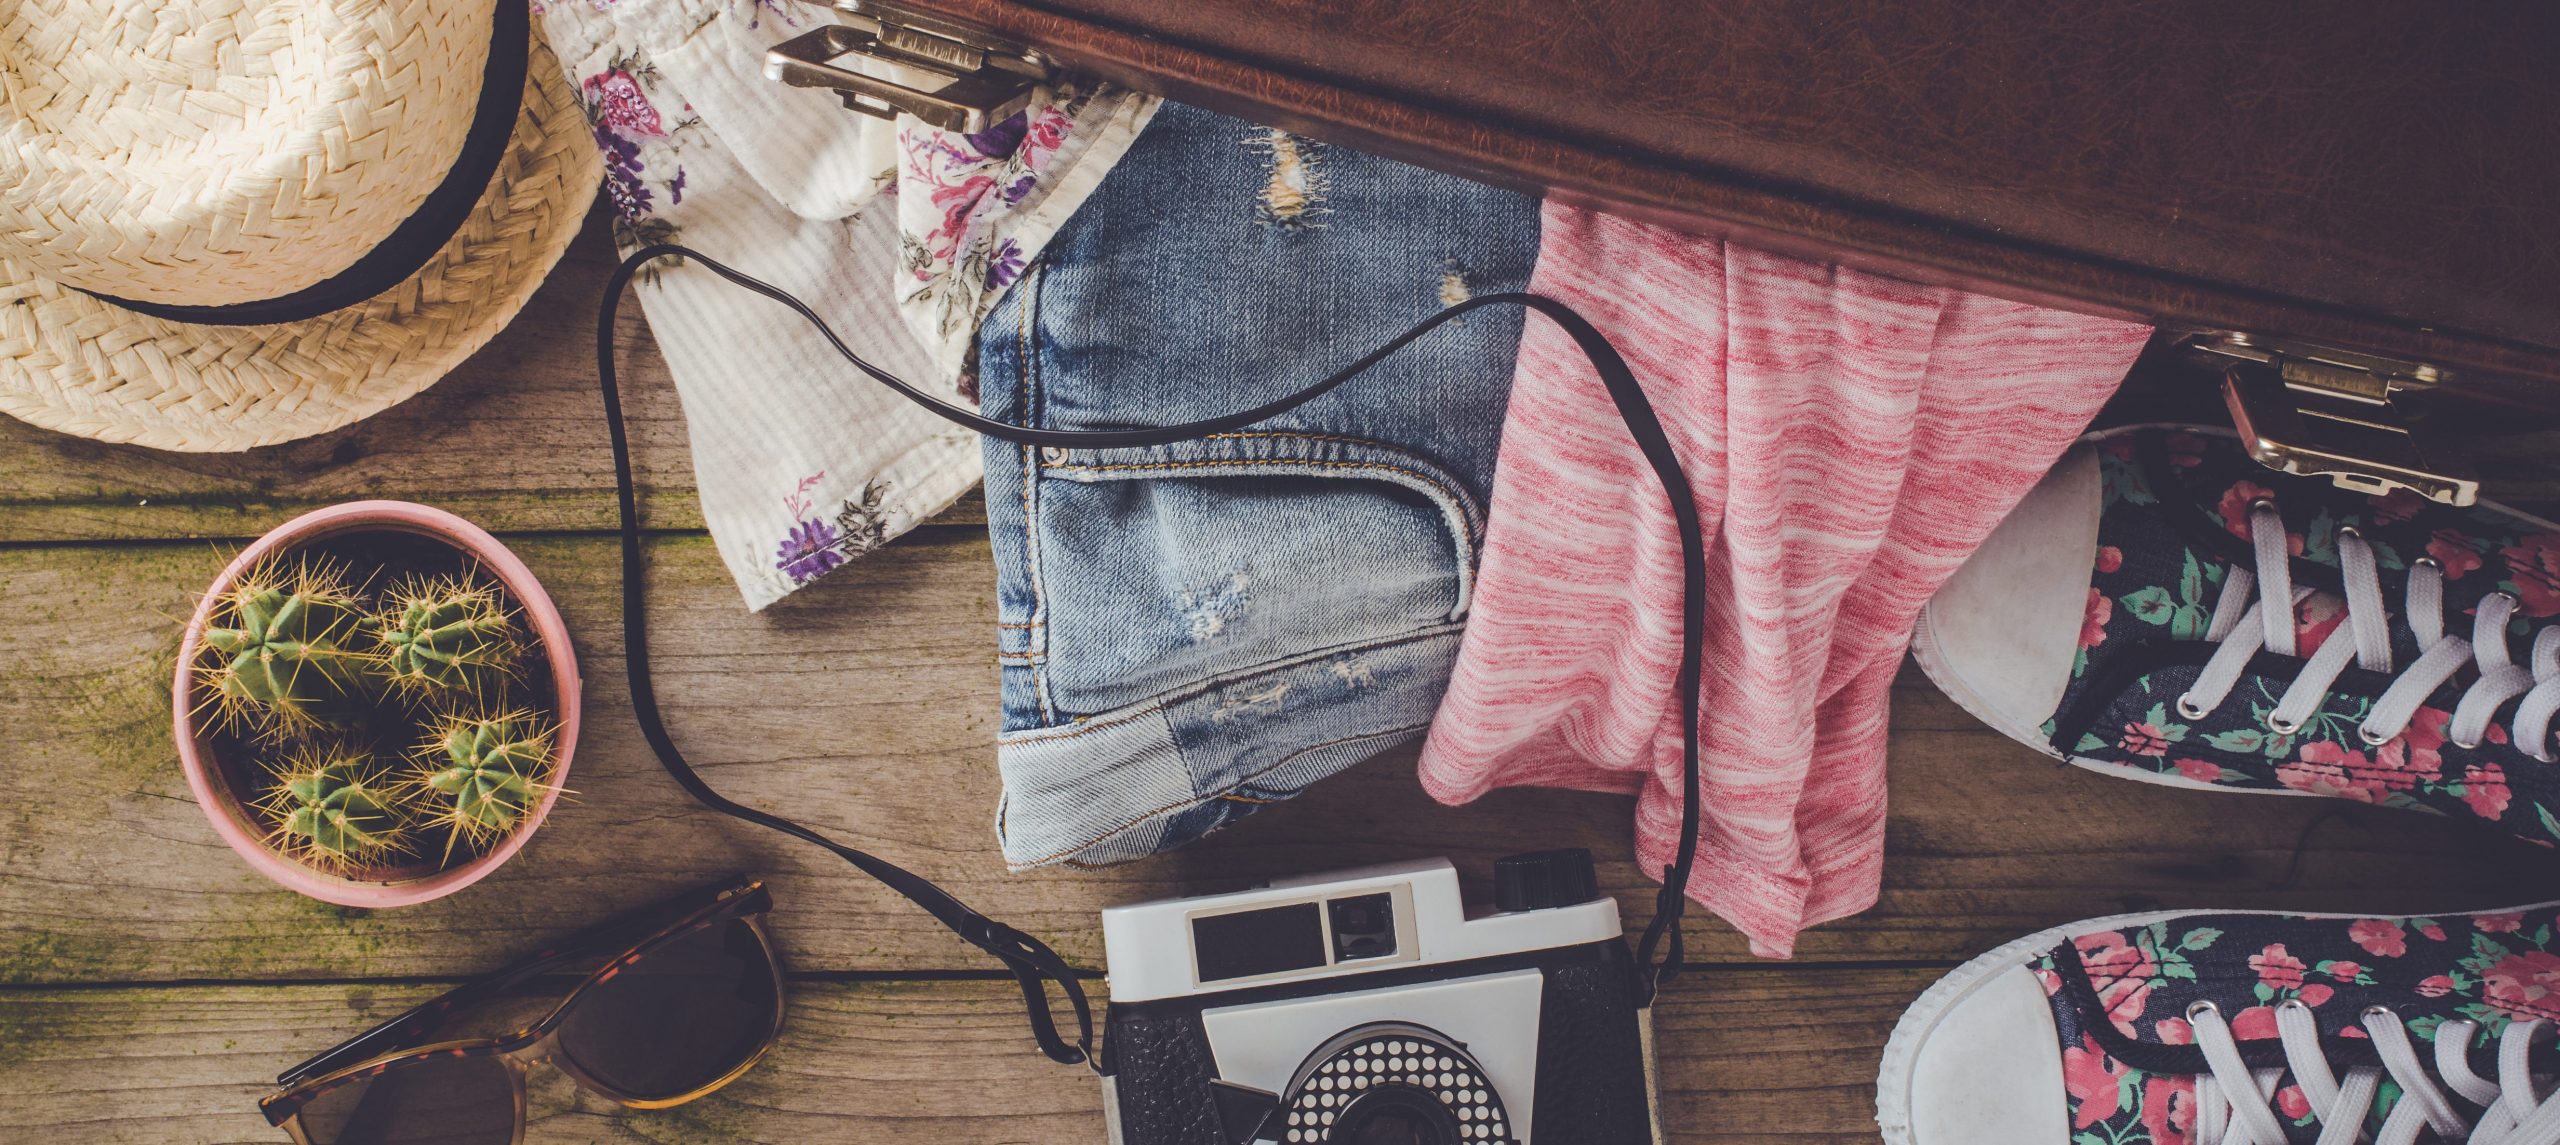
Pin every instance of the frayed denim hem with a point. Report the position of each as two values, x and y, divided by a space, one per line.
1154 775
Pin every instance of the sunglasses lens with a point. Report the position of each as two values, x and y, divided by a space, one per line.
680 1017
435 1101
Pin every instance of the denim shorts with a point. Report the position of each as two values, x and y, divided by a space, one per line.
1191 631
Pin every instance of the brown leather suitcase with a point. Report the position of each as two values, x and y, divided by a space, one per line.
2348 213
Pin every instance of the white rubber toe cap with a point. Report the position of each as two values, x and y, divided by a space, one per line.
2000 637
1983 1067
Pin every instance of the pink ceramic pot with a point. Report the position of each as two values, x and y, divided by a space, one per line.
216 781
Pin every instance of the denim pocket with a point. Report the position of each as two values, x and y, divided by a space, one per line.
1190 631
1198 560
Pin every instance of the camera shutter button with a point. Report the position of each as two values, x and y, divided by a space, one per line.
1542 880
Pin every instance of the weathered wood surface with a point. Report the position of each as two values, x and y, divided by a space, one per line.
865 706
1769 1057
148 979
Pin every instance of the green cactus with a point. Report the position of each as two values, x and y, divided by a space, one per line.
484 775
281 653
332 808
448 639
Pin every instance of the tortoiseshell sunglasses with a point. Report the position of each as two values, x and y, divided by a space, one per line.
691 1001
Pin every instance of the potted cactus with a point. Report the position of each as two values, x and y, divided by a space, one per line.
375 704
479 777
284 655
333 809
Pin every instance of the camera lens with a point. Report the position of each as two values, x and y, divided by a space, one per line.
1363 927
1392 1083
1395 1115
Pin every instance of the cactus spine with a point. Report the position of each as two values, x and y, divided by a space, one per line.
448 639
281 655
332 809
484 775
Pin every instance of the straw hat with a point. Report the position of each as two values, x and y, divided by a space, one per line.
229 223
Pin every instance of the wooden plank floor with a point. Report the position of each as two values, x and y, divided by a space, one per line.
150 983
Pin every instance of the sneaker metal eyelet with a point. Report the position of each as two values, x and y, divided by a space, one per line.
2427 563
2512 602
2350 531
2263 505
2372 739
2282 727
2294 1004
2201 1007
2384 1012
2472 746
2192 710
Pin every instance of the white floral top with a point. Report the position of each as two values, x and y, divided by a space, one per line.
903 236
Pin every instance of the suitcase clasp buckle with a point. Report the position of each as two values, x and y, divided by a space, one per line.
2312 410
887 58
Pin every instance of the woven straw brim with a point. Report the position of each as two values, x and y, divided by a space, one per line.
206 151
69 362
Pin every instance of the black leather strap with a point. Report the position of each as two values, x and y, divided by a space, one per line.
1033 963
438 217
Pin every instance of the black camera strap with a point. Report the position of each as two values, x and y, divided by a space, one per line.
1032 963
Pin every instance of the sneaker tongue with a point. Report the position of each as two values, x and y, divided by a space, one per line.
2316 617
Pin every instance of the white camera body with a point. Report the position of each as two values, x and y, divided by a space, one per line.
1351 1000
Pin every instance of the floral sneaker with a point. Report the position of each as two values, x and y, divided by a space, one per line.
2120 618
2238 1029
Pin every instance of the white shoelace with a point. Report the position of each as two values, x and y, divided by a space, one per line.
2235 1104
2243 624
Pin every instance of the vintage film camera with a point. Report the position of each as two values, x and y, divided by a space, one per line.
1366 1007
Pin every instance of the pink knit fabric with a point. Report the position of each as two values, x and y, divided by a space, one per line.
1851 438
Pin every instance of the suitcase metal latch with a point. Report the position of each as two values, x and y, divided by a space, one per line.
2312 410
887 58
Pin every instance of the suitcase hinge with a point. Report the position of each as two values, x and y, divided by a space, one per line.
2313 410
887 58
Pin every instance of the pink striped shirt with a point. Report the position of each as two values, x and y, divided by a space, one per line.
1851 439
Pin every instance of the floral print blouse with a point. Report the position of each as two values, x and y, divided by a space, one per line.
901 235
